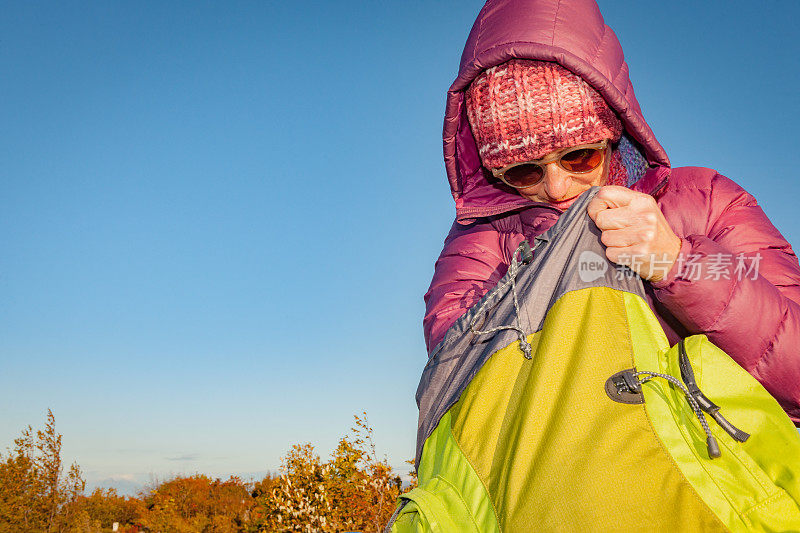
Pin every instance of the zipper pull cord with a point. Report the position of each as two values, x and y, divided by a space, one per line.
687 373
711 441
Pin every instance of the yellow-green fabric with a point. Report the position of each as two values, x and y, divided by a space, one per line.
539 445
450 497
752 486
556 453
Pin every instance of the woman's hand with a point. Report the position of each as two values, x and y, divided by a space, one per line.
634 231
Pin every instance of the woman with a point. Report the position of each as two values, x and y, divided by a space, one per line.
541 77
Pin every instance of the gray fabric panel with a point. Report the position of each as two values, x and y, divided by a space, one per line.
569 256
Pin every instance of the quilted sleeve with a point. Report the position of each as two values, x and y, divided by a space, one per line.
740 285
470 264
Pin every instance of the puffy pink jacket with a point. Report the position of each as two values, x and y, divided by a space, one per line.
755 318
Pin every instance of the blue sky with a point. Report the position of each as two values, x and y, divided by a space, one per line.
218 220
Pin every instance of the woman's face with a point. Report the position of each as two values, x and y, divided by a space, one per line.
561 187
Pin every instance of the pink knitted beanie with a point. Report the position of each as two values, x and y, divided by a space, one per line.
523 109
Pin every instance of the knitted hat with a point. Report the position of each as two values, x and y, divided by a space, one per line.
523 109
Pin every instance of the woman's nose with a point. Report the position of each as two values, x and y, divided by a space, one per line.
556 181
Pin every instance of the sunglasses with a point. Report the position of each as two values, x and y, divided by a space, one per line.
577 159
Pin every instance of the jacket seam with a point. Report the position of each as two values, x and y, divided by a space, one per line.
482 16
692 184
507 43
743 200
618 74
724 307
600 45
708 229
555 21
771 346
503 231
466 211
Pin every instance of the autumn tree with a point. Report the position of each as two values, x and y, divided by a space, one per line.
35 494
197 503
99 510
353 491
364 489
298 500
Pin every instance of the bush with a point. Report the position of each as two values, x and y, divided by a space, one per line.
353 491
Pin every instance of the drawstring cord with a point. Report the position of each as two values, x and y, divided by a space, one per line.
711 441
526 257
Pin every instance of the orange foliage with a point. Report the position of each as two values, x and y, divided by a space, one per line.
353 491
35 495
103 507
197 503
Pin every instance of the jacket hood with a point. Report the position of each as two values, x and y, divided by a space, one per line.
572 33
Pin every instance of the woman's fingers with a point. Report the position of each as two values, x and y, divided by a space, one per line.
634 231
617 195
596 206
615 218
619 237
621 255
609 197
